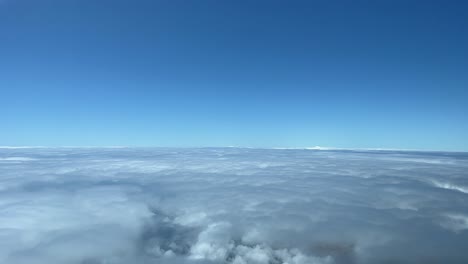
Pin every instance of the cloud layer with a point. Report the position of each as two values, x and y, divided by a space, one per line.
232 205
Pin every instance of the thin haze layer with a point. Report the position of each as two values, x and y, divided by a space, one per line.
231 205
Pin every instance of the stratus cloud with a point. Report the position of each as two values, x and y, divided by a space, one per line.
231 205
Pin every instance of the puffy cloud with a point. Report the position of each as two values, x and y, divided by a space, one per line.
231 205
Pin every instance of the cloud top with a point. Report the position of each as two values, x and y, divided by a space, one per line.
232 205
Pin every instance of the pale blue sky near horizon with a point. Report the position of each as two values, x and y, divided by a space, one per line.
346 74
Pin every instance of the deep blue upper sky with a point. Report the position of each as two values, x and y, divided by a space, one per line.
389 74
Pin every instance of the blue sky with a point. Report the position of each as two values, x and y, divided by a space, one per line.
351 74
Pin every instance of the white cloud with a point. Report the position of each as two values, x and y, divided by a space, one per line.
16 159
230 205
451 186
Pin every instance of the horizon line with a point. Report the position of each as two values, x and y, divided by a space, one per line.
318 148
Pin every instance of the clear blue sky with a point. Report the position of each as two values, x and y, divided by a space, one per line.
390 74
